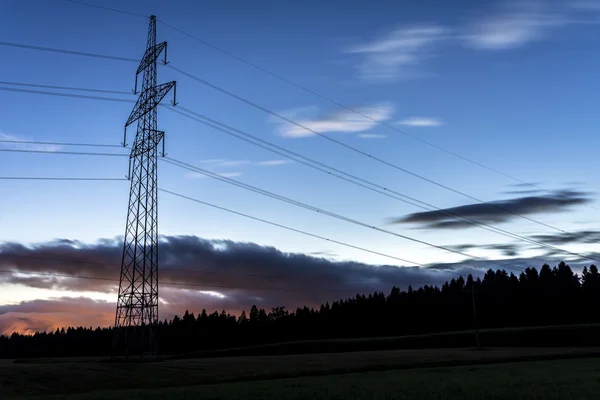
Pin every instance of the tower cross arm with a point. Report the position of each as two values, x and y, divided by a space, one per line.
148 100
151 55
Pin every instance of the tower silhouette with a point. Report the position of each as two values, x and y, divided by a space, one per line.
137 302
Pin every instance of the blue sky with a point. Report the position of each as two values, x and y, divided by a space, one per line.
509 84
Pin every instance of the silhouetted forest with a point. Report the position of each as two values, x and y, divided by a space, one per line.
554 296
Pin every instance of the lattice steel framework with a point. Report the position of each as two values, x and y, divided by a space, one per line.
137 303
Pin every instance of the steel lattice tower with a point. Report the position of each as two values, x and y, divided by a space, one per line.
137 303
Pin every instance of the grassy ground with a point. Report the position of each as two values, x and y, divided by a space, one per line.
25 379
541 336
548 380
581 335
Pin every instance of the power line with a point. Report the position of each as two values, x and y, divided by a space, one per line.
354 177
97 55
43 178
71 52
61 143
319 210
64 87
289 228
330 100
58 152
470 220
287 153
497 230
224 273
283 153
107 8
382 123
77 96
361 152
327 169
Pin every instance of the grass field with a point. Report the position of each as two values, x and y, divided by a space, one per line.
230 376
539 336
551 380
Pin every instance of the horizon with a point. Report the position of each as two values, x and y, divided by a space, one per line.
430 283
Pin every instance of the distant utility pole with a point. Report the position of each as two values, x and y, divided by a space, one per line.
137 303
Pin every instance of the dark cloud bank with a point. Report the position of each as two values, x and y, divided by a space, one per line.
497 211
242 274
230 275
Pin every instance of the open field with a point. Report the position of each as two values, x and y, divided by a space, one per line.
27 379
547 380
539 336
580 335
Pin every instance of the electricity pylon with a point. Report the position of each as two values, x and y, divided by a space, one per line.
137 303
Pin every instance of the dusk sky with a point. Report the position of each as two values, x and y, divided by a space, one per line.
510 85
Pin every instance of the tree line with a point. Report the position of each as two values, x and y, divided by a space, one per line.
552 296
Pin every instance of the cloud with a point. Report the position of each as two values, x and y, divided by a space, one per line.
509 29
323 253
585 236
507 249
234 163
198 175
524 188
372 136
229 275
514 265
461 247
520 23
343 121
224 162
26 324
398 53
525 184
497 211
25 146
272 163
532 191
585 5
421 122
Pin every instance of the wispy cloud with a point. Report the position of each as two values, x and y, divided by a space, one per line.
401 52
8 141
559 239
511 28
372 136
231 174
234 163
271 163
397 53
507 249
343 121
532 191
421 122
519 23
585 5
198 175
525 184
224 162
213 161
